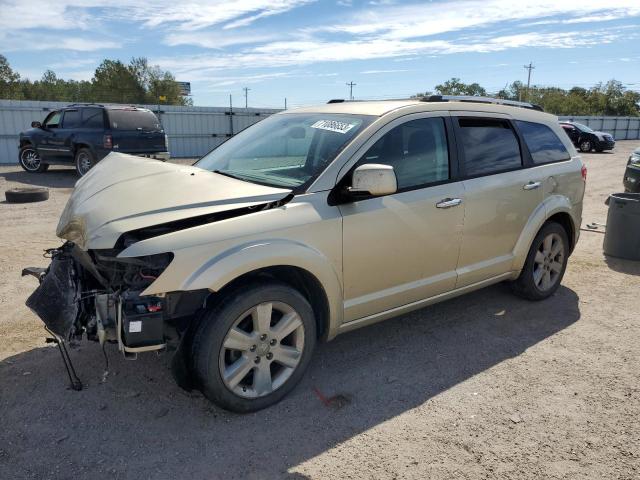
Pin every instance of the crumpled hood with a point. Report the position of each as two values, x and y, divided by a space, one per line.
125 192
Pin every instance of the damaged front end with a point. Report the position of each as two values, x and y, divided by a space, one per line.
98 295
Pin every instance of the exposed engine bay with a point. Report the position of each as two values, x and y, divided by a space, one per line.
95 294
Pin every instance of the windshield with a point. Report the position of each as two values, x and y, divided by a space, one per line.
288 150
582 128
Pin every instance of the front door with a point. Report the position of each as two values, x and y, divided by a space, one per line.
51 145
401 248
500 195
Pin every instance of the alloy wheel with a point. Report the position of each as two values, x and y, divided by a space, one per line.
84 163
548 262
585 146
262 349
30 159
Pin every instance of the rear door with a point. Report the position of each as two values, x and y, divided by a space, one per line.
500 194
136 130
402 248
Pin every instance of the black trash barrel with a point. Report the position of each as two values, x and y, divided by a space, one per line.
622 236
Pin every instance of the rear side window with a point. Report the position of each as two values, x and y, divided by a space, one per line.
134 120
544 145
490 146
71 119
92 118
417 150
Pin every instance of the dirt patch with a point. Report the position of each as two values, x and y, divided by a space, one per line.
483 386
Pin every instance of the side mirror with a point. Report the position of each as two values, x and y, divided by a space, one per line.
36 125
373 179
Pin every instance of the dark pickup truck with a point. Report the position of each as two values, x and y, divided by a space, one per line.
83 134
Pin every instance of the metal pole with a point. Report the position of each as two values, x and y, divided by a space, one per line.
529 67
285 103
231 115
246 97
351 85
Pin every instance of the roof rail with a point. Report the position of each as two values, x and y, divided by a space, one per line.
336 100
84 105
474 99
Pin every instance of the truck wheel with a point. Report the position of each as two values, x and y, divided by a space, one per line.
30 160
545 265
252 348
85 160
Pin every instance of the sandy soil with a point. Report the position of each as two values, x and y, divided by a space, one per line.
484 386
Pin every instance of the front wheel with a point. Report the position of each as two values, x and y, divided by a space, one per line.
85 160
30 160
585 146
545 264
254 346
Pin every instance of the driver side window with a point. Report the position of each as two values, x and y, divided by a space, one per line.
53 120
417 150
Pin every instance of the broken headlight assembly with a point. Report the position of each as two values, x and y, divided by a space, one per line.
97 294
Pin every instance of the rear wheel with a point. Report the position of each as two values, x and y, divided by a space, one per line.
30 160
545 265
585 146
85 160
254 346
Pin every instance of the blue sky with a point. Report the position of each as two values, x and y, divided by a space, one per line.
307 50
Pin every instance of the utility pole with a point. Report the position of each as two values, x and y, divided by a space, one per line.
285 103
351 85
529 67
246 97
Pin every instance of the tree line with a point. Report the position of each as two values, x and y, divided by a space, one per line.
608 99
113 82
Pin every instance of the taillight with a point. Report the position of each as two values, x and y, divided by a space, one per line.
584 172
107 141
166 142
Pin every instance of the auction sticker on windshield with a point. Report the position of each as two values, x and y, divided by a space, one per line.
333 126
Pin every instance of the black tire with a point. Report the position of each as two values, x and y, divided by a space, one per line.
585 146
525 285
30 160
26 195
85 160
208 342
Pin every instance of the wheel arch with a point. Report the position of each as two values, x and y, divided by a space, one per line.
298 278
556 208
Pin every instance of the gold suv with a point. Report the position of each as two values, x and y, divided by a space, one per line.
308 224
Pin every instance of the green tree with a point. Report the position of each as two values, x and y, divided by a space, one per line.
9 81
454 86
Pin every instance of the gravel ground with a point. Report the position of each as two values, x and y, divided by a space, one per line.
483 386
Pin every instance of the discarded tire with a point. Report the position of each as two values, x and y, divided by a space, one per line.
26 195
622 236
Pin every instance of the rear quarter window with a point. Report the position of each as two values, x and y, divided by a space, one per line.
92 118
544 145
133 120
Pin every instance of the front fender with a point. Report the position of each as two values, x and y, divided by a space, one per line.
221 269
552 205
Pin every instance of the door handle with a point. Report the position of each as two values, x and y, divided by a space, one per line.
449 202
531 185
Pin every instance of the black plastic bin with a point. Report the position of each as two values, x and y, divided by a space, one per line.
622 236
